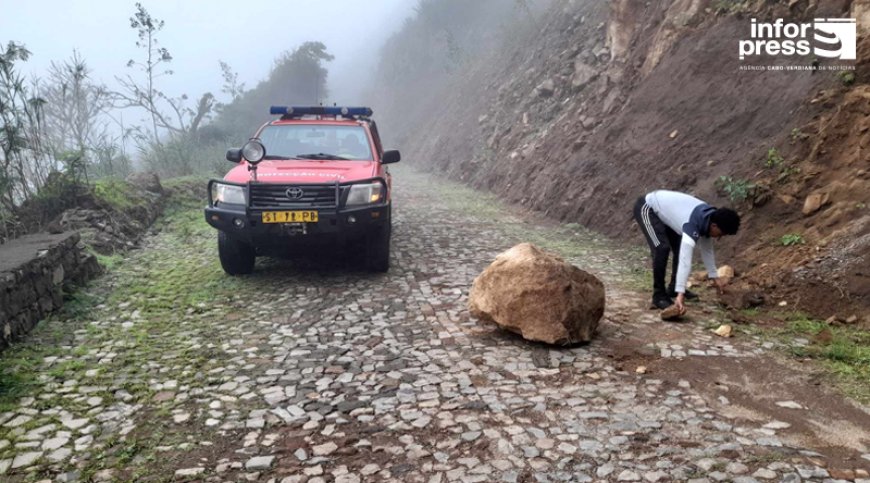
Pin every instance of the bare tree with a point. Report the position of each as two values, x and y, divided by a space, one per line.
75 112
232 87
166 113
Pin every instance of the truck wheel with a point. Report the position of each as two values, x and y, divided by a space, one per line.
378 249
237 258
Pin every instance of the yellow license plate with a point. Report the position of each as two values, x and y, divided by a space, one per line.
289 217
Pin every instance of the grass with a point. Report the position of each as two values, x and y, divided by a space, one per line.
844 351
116 193
158 285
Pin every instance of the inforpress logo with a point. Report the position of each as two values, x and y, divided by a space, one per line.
836 38
832 38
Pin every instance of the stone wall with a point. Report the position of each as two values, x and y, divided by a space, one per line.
34 270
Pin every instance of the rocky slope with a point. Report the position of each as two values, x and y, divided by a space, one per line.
602 102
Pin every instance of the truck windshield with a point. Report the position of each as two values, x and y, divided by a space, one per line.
294 141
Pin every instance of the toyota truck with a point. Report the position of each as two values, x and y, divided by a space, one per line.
314 177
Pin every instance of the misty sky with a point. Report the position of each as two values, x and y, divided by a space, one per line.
248 34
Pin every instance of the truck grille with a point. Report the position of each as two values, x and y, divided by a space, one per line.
276 196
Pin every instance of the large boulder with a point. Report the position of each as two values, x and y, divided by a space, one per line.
539 296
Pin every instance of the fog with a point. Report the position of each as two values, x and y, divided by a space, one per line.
247 35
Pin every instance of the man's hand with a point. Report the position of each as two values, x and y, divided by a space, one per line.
721 283
681 303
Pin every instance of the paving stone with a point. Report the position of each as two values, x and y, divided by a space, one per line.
627 475
324 449
308 359
25 459
259 463
185 472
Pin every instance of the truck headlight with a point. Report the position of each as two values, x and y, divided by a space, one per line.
229 194
365 194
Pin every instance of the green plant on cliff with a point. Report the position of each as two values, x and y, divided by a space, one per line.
116 193
798 135
729 6
791 239
774 159
846 77
737 189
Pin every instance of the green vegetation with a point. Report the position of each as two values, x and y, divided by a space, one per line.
116 193
797 135
774 159
150 291
791 239
729 6
737 189
845 351
847 78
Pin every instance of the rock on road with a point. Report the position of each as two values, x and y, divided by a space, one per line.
316 372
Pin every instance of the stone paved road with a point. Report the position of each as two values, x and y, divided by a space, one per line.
318 372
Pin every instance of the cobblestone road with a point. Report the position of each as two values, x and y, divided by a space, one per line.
320 373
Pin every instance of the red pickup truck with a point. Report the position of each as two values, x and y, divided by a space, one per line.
316 176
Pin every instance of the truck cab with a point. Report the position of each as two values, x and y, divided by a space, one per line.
315 177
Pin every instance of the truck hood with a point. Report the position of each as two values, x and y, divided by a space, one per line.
305 172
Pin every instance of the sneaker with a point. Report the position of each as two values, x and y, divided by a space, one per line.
688 294
662 303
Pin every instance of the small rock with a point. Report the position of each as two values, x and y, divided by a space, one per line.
789 405
74 423
324 449
189 471
259 463
546 88
777 425
58 455
26 459
54 443
724 330
765 474
628 475
725 272
814 202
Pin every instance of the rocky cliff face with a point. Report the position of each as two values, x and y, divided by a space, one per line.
606 101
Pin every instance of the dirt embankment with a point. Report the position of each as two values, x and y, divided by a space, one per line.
110 214
606 101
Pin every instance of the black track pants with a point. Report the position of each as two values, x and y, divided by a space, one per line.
662 241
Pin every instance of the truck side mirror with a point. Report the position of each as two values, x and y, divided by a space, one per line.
234 155
391 157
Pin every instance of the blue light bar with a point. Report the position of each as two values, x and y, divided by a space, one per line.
320 111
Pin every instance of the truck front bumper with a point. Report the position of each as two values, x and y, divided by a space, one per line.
341 225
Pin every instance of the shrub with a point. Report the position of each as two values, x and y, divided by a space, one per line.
791 239
774 159
737 189
847 77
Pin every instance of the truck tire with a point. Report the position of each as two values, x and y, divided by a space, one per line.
237 258
378 249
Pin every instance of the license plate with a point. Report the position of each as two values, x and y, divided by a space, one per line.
289 217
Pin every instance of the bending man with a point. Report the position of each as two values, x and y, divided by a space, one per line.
676 222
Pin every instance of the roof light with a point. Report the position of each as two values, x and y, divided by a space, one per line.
317 110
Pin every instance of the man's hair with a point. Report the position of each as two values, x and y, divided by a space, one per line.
726 219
